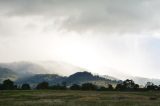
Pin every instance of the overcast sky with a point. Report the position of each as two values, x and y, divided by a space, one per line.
99 35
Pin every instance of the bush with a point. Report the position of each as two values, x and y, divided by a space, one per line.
8 85
110 87
43 85
75 87
58 87
89 86
103 88
1 87
25 87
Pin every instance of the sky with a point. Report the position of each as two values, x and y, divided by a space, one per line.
98 35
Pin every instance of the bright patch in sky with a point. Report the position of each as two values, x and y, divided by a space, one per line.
100 36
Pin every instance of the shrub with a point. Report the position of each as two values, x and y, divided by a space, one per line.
25 87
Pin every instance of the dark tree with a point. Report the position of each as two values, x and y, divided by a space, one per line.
110 87
58 87
89 86
64 85
102 88
159 87
136 87
26 87
1 87
120 87
8 85
75 87
127 85
43 85
55 87
151 86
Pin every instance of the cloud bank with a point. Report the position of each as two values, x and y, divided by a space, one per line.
112 16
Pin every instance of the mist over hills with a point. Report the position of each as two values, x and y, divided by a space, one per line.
76 78
83 77
61 68
24 69
52 79
43 67
33 73
6 73
57 72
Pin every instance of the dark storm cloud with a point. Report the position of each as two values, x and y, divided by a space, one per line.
133 16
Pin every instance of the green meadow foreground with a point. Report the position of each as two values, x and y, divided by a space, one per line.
78 98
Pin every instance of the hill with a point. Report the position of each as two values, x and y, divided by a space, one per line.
84 77
6 73
77 78
39 71
33 80
24 68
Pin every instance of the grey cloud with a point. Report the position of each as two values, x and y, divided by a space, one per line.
100 15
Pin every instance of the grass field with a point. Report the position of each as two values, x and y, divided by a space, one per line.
78 98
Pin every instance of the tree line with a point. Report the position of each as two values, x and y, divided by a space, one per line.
127 85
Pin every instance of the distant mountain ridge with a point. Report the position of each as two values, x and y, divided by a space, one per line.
52 79
77 78
36 72
32 73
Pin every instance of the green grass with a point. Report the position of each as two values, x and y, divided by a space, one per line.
78 98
